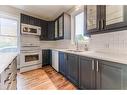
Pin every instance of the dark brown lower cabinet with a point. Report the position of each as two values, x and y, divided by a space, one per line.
46 57
62 63
90 73
101 74
73 68
86 73
109 75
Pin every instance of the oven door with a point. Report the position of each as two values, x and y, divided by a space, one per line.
29 58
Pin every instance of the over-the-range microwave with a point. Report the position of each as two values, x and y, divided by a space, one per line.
30 29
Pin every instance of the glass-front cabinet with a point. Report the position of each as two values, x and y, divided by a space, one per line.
105 18
91 18
61 27
114 16
56 29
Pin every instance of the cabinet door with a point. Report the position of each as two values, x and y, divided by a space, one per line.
61 27
51 30
56 29
44 30
73 68
110 76
62 63
114 16
93 18
32 20
25 19
46 57
86 73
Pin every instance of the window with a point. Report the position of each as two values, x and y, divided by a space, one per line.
79 28
8 34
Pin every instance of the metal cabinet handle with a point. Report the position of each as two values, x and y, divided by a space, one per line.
92 64
98 25
102 23
97 66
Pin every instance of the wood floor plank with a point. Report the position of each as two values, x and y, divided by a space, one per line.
43 79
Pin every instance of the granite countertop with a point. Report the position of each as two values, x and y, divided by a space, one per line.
6 59
118 58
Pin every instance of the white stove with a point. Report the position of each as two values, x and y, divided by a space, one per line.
30 54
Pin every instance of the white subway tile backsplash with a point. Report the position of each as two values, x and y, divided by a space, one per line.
114 42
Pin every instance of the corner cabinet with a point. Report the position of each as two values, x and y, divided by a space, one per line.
63 27
105 18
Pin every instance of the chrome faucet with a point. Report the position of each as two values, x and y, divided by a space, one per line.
76 43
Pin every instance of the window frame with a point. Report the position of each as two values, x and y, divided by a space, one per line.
75 24
10 17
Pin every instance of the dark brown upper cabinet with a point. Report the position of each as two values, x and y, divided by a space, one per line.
92 18
26 19
115 16
105 18
63 27
57 29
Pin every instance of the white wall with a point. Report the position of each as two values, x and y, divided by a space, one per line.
115 42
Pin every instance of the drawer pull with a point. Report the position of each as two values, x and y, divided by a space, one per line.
6 80
6 69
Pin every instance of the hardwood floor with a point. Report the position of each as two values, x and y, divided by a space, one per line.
43 79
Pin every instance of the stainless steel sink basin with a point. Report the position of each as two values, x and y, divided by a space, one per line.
75 50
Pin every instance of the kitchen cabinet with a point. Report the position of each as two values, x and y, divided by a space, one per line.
63 27
86 73
8 76
116 16
48 29
62 63
26 19
90 73
73 68
51 30
56 29
93 18
44 30
100 74
109 75
46 57
105 18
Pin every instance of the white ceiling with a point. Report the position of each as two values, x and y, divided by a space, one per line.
48 12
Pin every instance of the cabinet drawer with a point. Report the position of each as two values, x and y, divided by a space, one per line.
12 86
